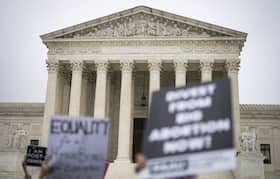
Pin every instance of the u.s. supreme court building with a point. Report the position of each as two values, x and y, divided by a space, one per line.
109 66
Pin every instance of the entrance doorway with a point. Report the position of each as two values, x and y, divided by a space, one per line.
138 133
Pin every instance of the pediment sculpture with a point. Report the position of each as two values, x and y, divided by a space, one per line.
142 25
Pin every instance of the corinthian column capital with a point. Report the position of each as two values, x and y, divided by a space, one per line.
101 65
127 65
77 65
154 65
180 65
206 65
232 66
52 66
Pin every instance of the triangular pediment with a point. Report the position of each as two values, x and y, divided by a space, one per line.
142 22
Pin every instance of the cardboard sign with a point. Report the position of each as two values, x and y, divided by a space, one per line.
77 147
35 155
189 131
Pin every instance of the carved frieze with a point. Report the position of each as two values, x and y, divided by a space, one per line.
147 47
211 47
142 25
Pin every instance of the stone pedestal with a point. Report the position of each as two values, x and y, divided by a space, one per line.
250 166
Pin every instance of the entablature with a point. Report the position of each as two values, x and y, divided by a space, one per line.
143 49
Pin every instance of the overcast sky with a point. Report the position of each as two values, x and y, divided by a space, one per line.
23 74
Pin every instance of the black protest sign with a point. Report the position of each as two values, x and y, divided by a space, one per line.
189 131
35 155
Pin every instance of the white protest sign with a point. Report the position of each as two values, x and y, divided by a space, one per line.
77 147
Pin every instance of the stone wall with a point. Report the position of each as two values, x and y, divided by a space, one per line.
19 123
265 121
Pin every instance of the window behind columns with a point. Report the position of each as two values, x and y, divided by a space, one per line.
167 76
193 77
219 71
138 133
141 89
218 75
167 79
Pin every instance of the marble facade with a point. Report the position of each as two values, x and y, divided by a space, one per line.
108 67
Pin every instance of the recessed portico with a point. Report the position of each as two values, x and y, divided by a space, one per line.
126 81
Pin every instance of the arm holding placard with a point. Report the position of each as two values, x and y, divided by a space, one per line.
26 174
140 162
45 169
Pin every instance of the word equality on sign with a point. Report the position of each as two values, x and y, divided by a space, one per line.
75 127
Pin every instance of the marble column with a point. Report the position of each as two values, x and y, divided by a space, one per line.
100 89
206 70
154 68
60 89
76 88
51 99
108 92
66 93
125 119
85 94
180 67
91 91
232 67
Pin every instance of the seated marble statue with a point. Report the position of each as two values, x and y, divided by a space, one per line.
248 141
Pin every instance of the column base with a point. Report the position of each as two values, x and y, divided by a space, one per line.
121 169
